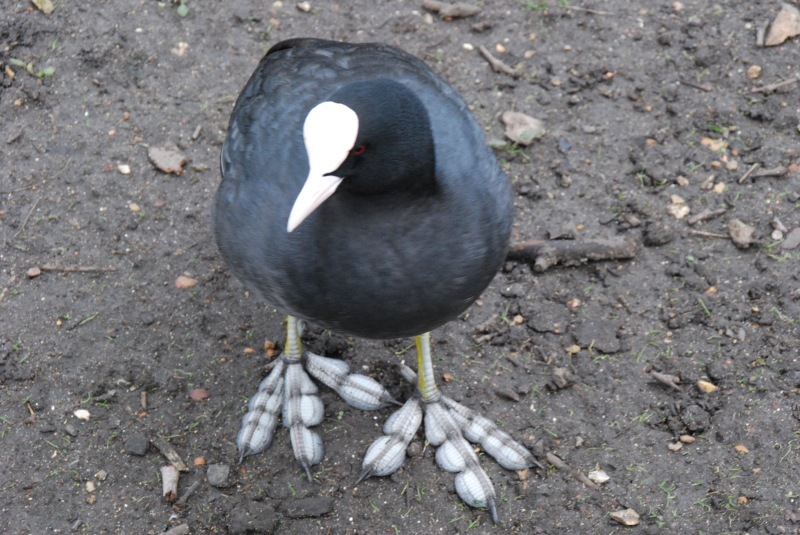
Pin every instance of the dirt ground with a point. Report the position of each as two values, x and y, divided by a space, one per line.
560 358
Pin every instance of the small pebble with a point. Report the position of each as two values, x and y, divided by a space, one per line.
732 165
90 486
741 448
776 235
126 115
217 474
34 272
199 461
555 82
112 133
567 48
705 386
135 208
677 6
682 181
71 430
249 351
468 46
628 517
532 37
500 48
719 187
687 439
529 54
753 72
598 476
82 414
183 282
124 169
675 446
101 475
305 7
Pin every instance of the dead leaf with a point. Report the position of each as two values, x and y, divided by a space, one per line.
167 157
785 25
521 128
45 6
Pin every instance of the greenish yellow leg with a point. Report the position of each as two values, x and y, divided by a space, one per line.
294 348
425 381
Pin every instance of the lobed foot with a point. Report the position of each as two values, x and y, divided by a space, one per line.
449 426
288 389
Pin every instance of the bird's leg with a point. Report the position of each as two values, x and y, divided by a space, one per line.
288 387
448 425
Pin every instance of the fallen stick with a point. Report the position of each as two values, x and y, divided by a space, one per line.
705 215
26 219
708 234
186 495
169 452
169 482
760 32
587 10
772 87
496 64
666 379
446 10
577 474
546 254
706 88
748 173
76 269
775 171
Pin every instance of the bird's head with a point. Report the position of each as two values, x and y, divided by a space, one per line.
371 137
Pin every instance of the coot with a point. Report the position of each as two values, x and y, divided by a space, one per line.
358 194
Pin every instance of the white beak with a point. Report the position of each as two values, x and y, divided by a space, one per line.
329 132
314 192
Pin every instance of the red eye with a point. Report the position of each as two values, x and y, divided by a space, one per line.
358 151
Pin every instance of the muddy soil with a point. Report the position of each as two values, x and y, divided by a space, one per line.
628 93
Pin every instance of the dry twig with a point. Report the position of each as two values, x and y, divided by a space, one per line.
772 87
748 173
183 499
666 379
706 88
577 474
26 219
76 269
586 10
496 64
708 234
546 254
705 215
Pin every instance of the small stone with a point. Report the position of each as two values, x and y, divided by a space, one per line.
305 7
740 233
741 448
500 48
82 414
135 208
732 165
532 37
124 169
528 54
719 188
705 386
675 446
573 349
71 430
742 500
677 6
137 444
91 499
677 199
687 439
713 144
126 115
34 272
555 81
183 282
598 476
753 72
309 507
628 517
792 240
507 393
217 474
199 461
414 449
567 48
249 351
102 475
468 47
199 394
682 181
90 487
776 235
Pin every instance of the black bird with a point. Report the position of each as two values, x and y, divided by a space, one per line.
358 193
